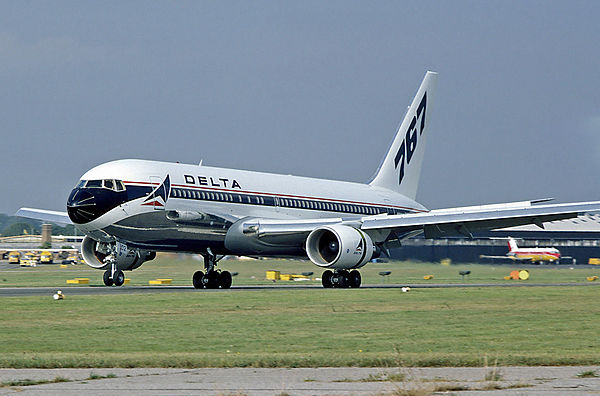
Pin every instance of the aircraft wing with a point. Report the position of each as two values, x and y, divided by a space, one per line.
464 221
436 223
52 216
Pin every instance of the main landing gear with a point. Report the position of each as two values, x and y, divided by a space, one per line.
212 279
341 278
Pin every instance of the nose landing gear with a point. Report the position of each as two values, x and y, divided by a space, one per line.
341 278
212 279
116 278
113 276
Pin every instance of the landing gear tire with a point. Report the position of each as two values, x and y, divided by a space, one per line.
225 280
326 279
340 279
118 278
197 280
354 279
211 280
108 281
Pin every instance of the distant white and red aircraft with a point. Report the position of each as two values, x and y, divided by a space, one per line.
535 255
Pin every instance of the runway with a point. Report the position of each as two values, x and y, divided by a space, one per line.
301 381
104 290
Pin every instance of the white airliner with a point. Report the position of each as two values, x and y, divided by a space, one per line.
130 209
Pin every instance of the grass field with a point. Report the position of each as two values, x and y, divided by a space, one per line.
300 328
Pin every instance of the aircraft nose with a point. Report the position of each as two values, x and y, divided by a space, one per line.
81 206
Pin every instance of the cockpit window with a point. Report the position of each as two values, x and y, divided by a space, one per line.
94 184
110 184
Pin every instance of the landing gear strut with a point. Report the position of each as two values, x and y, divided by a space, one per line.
341 278
212 279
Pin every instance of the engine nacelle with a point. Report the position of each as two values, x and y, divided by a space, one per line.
127 259
339 247
185 216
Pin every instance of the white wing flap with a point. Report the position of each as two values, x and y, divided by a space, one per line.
462 221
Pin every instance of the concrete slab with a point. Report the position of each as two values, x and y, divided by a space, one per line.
305 381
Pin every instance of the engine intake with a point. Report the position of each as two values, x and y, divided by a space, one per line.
94 253
339 247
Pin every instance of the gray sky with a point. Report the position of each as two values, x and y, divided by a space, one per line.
309 88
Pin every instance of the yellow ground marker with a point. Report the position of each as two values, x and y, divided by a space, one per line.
79 281
428 277
273 275
160 281
592 278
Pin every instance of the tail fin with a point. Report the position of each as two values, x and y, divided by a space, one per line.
512 244
401 168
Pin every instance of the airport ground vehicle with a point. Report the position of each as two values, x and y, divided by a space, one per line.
46 257
14 257
29 259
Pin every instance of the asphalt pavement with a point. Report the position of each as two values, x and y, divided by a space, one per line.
553 381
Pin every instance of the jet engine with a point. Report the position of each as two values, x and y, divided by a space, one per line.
94 253
339 247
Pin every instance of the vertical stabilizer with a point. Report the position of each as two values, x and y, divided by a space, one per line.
512 245
401 168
